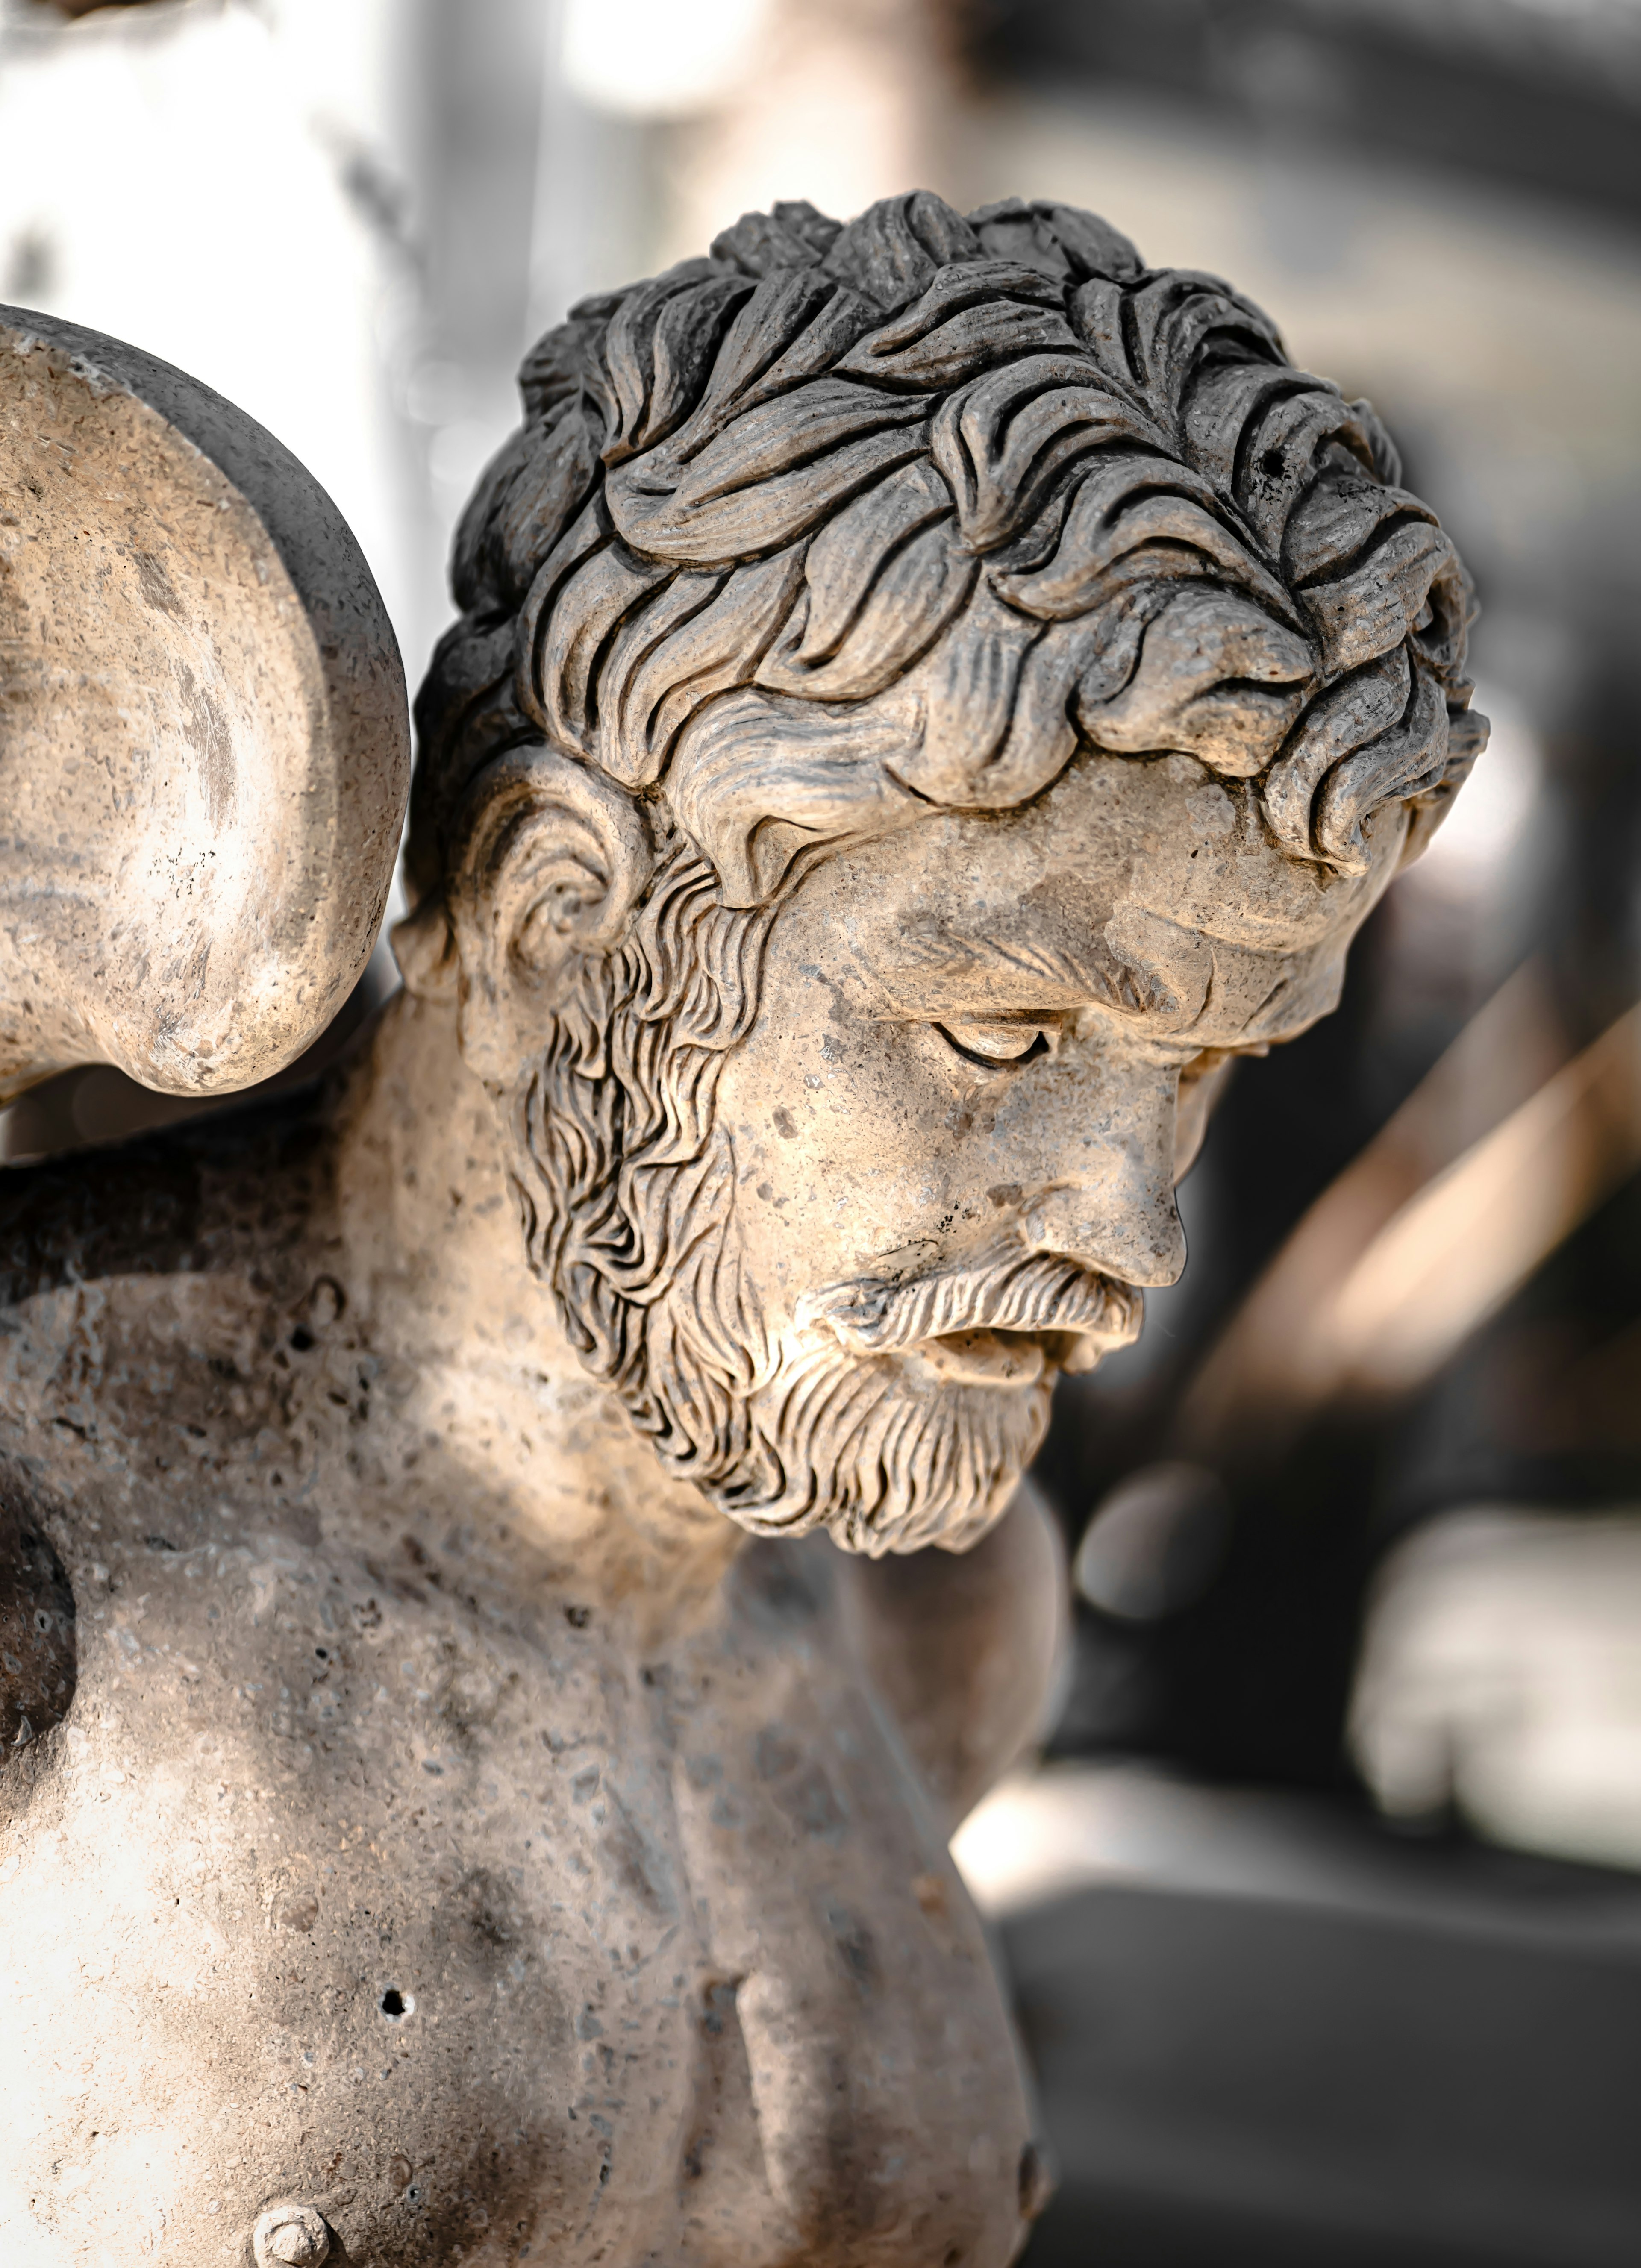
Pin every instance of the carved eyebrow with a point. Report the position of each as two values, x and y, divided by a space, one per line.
950 954
1045 979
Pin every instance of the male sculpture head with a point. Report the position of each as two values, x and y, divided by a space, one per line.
952 638
928 693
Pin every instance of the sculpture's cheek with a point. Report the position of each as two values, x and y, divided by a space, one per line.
244 1969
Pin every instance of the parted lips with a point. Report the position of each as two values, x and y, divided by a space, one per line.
840 521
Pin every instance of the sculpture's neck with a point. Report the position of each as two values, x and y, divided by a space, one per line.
436 1272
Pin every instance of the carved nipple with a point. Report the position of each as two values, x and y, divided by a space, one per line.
290 2236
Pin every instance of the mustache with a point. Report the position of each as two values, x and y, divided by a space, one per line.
1012 1289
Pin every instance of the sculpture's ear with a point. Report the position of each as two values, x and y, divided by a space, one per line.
548 861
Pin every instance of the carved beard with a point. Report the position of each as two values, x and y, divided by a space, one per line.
853 1419
884 1454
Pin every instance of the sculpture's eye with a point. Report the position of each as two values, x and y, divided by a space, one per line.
997 1046
550 919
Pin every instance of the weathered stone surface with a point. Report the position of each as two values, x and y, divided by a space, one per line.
203 749
38 1664
929 695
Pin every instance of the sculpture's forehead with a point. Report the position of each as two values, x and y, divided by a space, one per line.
1152 866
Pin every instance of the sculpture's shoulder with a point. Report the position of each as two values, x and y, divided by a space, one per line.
206 1195
143 1290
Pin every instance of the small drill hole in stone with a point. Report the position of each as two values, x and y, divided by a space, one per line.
394 2003
302 1339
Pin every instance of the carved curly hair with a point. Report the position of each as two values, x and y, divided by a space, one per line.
844 521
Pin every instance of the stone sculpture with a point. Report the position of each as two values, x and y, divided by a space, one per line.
928 694
203 750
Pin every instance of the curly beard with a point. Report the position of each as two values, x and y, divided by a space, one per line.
893 1413
882 1453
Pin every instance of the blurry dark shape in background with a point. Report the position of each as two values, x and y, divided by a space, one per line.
1267 2039
1546 98
1155 1542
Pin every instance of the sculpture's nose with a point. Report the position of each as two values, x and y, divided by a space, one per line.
1101 1136
1123 1225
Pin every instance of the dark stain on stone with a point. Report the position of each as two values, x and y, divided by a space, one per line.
487 1905
157 588
856 1948
39 1650
799 1784
209 733
297 1909
774 1584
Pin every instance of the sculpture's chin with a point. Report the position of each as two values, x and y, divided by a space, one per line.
892 1453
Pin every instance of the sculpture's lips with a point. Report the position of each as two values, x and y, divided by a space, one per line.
999 1321
996 1359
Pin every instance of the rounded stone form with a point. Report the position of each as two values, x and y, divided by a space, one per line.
203 774
290 2236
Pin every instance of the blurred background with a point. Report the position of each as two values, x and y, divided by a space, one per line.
1324 1909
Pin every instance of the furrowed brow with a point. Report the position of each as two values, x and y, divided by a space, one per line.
954 955
996 972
